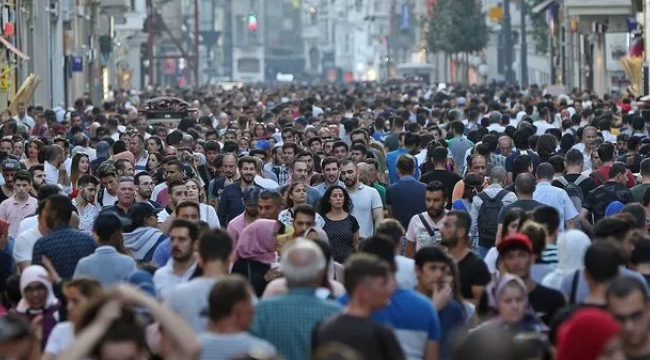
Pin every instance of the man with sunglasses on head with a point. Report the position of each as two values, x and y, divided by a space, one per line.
144 188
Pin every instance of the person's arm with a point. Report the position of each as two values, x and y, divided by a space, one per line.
432 351
182 338
473 213
165 225
356 240
389 210
378 215
409 252
498 235
584 220
222 207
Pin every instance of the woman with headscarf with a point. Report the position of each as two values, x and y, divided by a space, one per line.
508 300
256 252
571 248
38 300
590 334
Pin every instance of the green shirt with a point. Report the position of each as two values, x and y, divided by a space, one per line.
637 192
645 357
286 321
382 193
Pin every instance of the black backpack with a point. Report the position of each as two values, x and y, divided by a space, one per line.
573 190
488 217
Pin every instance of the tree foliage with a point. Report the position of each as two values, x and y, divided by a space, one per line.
458 26
538 28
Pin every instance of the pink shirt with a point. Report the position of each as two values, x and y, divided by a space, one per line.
236 226
14 212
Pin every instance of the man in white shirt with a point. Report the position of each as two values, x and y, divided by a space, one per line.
424 228
368 208
55 169
23 118
182 265
543 123
24 243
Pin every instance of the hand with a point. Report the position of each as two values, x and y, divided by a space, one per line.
128 294
4 241
53 274
272 274
109 312
37 327
441 297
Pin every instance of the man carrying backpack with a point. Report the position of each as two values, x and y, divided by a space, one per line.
485 210
576 185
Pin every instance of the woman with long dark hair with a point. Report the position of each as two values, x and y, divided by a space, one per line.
546 147
341 227
296 195
33 152
80 166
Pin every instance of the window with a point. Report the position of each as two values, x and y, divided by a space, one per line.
358 5
248 65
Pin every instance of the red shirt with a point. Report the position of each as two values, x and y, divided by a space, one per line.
604 171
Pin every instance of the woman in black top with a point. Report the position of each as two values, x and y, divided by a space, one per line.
342 228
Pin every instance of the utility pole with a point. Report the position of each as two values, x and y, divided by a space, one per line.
507 41
524 45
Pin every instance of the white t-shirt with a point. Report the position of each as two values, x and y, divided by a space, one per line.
27 223
24 245
61 337
542 126
405 274
418 234
365 199
491 260
206 213
157 189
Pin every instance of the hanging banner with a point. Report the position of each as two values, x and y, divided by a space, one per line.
404 22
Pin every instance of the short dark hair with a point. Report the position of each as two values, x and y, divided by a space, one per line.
304 209
138 175
525 183
547 216
602 261
641 249
360 267
391 229
247 160
190 226
463 220
187 203
87 179
381 247
624 286
23 175
574 157
330 160
616 226
225 294
62 208
174 184
431 254
616 169
638 211
545 171
339 144
606 151
272 195
406 164
215 245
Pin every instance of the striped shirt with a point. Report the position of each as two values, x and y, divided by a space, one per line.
550 255
229 346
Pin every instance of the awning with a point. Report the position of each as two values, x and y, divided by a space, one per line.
542 6
13 49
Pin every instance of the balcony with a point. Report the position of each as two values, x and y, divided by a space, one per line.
115 7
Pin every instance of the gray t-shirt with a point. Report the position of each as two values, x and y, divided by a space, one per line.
227 346
190 300
583 288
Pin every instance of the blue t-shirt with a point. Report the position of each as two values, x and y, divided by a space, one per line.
413 319
391 163
452 318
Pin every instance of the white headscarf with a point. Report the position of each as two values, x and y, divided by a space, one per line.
571 248
31 274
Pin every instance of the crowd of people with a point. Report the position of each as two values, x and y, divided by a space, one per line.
357 222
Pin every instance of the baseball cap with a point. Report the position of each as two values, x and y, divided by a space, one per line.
143 210
102 149
263 145
515 241
251 196
10 164
614 208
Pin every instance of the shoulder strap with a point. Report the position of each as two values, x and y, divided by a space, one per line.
426 225
580 179
563 181
502 193
574 287
483 196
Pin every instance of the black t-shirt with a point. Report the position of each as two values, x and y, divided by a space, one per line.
447 178
586 185
632 162
526 205
564 314
598 200
3 197
546 302
371 340
473 272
